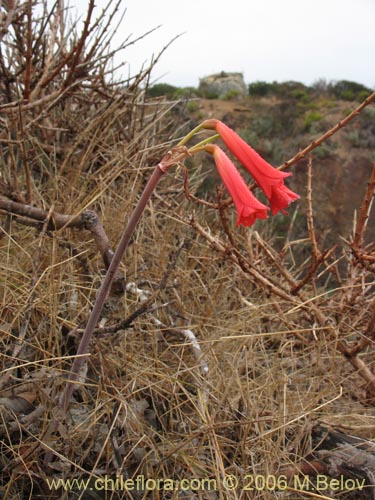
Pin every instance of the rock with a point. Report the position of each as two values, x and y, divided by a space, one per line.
223 85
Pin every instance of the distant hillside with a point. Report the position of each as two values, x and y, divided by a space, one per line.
279 119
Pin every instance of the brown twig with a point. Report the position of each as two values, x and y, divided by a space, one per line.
24 158
364 213
223 217
28 57
145 306
190 196
48 60
368 336
14 9
309 214
359 365
275 259
78 49
58 221
93 224
13 169
246 267
315 264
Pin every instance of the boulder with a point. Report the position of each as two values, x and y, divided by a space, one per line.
223 85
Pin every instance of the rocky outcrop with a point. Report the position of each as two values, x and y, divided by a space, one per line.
222 85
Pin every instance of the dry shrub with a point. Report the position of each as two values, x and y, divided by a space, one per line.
275 322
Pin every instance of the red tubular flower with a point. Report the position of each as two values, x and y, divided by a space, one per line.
269 179
248 207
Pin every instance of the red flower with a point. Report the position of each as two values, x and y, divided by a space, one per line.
269 179
247 206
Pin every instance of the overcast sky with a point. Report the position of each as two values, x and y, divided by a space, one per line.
302 40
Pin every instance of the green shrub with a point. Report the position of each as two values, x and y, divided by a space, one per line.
161 89
192 106
265 125
231 94
249 136
261 88
274 150
286 89
321 86
354 138
342 89
284 118
301 95
362 95
347 95
326 150
185 92
348 90
276 121
210 94
171 92
310 118
367 117
364 135
327 103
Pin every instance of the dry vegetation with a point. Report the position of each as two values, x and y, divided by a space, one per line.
286 329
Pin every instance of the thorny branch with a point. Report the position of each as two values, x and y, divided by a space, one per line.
363 216
296 294
309 214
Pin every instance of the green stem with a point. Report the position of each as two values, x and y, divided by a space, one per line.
200 146
190 135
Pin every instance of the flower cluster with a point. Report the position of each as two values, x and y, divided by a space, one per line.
268 178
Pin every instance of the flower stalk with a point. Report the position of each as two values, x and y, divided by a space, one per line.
173 157
248 209
191 134
84 344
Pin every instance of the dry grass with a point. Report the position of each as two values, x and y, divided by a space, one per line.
286 329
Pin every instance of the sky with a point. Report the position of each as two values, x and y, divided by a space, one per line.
268 40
